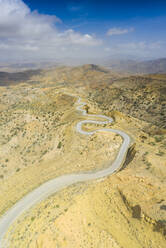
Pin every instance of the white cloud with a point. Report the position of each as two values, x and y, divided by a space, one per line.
30 34
107 49
119 31
75 38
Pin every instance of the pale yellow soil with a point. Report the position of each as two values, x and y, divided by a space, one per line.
77 153
104 214
126 210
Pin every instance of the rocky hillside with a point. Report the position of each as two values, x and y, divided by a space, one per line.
142 97
7 78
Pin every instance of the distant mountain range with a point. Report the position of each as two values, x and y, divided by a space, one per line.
143 67
118 65
24 66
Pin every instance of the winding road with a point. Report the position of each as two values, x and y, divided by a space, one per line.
55 185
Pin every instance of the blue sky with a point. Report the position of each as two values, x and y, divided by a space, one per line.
100 9
48 29
87 15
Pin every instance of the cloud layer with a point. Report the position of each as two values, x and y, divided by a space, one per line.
119 31
30 34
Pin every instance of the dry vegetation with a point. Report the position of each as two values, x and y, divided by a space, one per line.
38 142
137 96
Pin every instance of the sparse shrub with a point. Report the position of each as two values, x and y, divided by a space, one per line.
164 145
159 138
59 145
32 218
152 143
148 164
163 207
160 153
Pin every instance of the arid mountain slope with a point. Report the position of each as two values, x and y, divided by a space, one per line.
14 78
39 142
142 97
